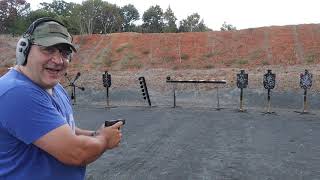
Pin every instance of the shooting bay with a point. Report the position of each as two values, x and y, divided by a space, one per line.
188 142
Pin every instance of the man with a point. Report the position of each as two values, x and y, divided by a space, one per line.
38 137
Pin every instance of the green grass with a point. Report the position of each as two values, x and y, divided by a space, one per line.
242 61
123 47
265 62
310 58
130 61
257 54
104 57
168 59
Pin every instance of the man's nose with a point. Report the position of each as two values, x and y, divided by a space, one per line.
57 58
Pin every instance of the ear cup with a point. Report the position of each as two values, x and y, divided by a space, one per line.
22 51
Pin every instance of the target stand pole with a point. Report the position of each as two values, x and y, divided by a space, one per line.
218 103
174 97
305 101
269 104
108 97
241 100
305 104
74 94
268 108
108 106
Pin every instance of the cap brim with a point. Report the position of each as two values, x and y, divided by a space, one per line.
51 41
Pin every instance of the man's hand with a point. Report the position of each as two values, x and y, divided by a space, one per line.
111 134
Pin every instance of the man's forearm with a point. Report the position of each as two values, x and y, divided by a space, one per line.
74 149
93 149
84 132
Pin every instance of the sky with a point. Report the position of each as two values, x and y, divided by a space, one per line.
242 14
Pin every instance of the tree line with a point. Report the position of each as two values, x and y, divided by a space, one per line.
98 17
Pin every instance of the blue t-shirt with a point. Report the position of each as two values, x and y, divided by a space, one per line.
27 112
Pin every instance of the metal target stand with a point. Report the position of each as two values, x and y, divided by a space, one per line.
106 81
242 82
174 82
305 84
144 90
269 82
73 87
218 108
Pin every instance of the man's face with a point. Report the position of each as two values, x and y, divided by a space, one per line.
47 65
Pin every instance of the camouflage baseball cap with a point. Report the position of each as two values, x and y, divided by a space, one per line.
51 33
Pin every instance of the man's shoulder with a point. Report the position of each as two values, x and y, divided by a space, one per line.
12 82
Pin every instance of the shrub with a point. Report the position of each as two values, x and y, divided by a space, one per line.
185 57
242 61
146 51
311 58
168 59
209 66
122 47
265 62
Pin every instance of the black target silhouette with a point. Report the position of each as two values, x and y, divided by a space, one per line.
269 82
306 80
305 84
242 82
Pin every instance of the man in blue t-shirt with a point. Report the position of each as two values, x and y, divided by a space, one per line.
38 136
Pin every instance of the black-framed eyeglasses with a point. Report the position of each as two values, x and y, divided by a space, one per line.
64 51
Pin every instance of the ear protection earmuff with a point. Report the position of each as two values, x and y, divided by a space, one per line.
24 44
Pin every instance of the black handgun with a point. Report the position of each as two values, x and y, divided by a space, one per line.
112 122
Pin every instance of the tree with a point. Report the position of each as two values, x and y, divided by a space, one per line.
39 13
88 14
153 20
193 24
227 27
76 22
169 21
130 14
110 18
58 7
12 14
61 11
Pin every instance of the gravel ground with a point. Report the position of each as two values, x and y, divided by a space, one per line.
195 140
203 143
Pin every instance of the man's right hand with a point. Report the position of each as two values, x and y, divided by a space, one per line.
112 135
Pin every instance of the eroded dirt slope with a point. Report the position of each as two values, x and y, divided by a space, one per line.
288 50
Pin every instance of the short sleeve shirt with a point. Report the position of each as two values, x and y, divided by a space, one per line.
28 112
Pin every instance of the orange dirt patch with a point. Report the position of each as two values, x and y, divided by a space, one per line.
288 49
